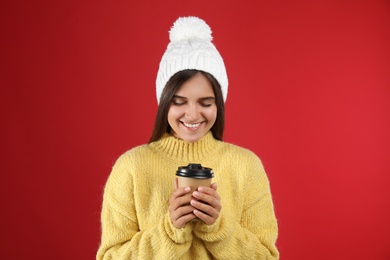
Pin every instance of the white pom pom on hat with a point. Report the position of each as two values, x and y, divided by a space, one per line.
190 47
190 27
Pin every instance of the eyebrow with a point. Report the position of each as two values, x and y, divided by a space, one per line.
203 98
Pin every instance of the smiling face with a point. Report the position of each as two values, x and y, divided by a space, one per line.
193 110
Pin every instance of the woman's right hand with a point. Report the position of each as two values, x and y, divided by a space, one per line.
180 209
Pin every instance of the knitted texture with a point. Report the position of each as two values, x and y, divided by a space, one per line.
190 47
135 217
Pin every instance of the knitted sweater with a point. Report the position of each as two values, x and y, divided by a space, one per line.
135 218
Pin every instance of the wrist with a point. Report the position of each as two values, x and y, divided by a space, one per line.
178 235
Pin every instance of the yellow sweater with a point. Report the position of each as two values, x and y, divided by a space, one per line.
135 217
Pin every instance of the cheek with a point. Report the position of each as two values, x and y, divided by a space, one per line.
211 115
173 114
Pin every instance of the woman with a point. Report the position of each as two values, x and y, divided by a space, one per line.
145 215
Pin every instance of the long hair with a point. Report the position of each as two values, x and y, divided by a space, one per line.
161 125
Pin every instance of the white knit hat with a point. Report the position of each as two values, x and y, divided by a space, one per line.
190 47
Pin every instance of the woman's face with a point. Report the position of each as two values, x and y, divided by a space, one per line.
193 110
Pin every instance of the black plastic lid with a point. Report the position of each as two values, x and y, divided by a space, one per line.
194 170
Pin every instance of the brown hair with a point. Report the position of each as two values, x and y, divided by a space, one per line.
161 125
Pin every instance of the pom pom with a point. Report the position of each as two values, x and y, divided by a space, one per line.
186 28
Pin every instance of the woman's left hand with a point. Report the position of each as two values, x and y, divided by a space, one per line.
207 203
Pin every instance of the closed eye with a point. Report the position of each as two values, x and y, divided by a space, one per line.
207 102
178 101
204 102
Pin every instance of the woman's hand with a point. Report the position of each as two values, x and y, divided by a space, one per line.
180 209
207 204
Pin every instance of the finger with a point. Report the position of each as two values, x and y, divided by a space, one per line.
181 191
181 211
214 199
179 199
205 208
210 191
180 222
206 218
214 186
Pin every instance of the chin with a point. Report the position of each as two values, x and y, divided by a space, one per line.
191 139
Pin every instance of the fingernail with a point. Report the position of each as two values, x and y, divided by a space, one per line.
201 189
187 189
196 194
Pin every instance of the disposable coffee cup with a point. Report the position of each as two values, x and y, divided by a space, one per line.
194 176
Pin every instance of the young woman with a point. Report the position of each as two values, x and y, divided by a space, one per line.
145 215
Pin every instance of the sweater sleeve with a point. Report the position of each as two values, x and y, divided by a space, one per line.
254 236
121 236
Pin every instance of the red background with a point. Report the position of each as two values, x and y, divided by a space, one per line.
309 93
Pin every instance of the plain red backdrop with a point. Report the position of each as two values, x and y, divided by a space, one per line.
309 93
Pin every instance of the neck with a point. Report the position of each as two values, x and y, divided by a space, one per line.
178 149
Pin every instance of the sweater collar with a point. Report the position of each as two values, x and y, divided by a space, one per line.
177 149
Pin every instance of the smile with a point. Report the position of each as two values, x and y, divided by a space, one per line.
191 125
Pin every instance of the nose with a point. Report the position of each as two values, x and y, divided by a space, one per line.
192 112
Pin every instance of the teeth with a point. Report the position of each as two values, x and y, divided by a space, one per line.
191 125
